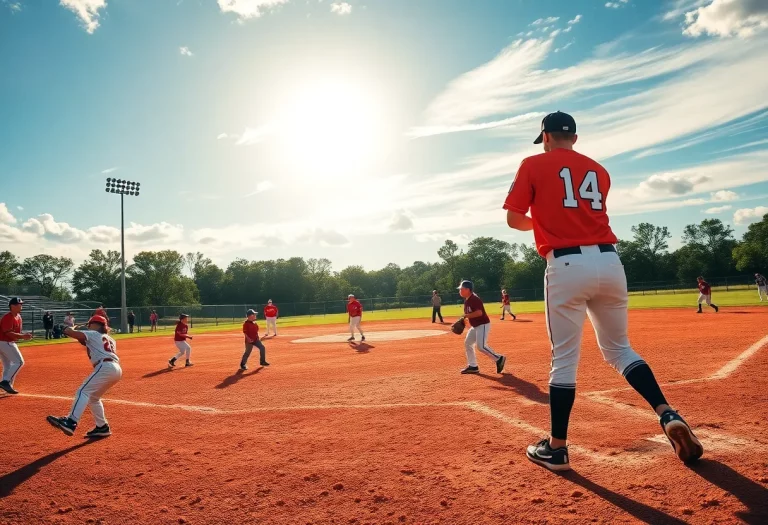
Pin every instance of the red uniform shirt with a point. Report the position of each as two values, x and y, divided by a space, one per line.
102 312
355 309
153 317
704 288
181 332
270 310
505 298
472 304
251 330
10 323
566 193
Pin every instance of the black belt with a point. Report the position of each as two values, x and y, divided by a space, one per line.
576 250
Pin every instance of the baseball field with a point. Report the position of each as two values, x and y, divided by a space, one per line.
389 431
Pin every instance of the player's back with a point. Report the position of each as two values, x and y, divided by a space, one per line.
569 192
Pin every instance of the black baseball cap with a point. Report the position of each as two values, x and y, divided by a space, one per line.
250 312
15 300
183 316
466 284
557 121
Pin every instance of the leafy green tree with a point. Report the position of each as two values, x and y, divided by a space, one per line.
156 279
9 267
751 255
98 278
46 271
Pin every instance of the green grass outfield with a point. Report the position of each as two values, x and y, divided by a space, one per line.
685 300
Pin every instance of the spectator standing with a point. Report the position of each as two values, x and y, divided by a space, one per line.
48 324
131 321
69 320
436 305
153 321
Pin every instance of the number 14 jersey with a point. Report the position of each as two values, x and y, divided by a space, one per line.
566 193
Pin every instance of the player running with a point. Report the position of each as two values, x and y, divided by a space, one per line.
355 311
705 294
270 314
566 194
475 315
101 349
180 338
10 332
251 331
506 306
761 283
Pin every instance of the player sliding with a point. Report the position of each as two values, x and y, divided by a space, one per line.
566 193
106 372
180 339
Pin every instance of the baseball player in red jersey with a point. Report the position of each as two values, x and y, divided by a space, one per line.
270 314
566 194
180 339
355 311
705 294
506 306
10 332
480 323
251 332
101 312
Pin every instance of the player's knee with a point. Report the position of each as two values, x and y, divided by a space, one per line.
624 359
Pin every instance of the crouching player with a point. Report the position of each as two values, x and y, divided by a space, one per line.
251 331
101 350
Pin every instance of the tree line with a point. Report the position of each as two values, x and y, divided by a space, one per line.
168 277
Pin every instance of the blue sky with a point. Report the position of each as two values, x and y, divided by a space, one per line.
369 131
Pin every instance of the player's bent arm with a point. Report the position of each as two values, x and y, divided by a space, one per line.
75 334
519 221
472 315
18 336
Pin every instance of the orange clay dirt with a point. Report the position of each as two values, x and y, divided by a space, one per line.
391 433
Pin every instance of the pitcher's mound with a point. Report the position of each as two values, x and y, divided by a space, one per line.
394 335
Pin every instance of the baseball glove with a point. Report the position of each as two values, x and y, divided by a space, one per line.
458 327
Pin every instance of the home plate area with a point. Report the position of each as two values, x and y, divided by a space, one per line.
393 335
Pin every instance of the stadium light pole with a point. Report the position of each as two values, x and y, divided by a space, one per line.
123 187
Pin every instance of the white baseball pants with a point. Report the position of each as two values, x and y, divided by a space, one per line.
272 323
12 360
184 348
591 284
478 336
354 324
761 291
705 299
506 309
103 377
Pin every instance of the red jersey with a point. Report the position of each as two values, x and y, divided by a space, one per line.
355 309
270 310
505 298
704 288
153 317
181 332
566 193
472 304
251 330
10 323
102 312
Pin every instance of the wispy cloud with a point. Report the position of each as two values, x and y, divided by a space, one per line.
717 209
14 7
724 196
110 170
246 9
616 5
261 187
253 136
87 11
20 208
724 18
6 217
221 136
184 50
566 46
545 21
749 215
341 8
575 20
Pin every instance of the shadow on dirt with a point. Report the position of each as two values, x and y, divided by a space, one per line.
752 495
237 376
519 386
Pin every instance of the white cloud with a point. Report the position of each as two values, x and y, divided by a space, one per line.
154 233
507 122
749 215
246 9
341 8
324 237
222 136
554 33
46 226
566 46
109 170
87 11
6 217
20 208
462 238
671 184
545 21
253 136
616 5
15 7
724 196
401 221
261 187
184 50
726 18
574 20
717 209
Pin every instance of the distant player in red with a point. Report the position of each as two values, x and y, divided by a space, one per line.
566 194
480 328
10 332
355 311
705 294
153 321
180 339
506 306
270 314
251 332
101 312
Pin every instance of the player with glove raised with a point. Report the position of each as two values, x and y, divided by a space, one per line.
474 314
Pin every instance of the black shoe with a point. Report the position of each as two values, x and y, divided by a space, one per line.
243 368
553 459
64 424
362 340
99 432
188 364
5 385
351 339
172 362
514 317
264 363
685 444
471 370
501 319
716 308
698 312
500 362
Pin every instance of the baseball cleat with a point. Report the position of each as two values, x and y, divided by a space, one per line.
514 317
471 370
99 432
188 364
264 363
685 444
716 308
362 340
553 459
351 340
172 362
500 362
5 385
243 367
65 424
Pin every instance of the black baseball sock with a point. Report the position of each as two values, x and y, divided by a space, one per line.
641 378
560 405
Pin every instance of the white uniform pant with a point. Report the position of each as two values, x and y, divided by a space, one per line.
184 348
12 360
272 323
761 291
95 385
592 283
506 309
705 299
354 324
478 336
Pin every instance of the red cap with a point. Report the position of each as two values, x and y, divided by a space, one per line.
98 319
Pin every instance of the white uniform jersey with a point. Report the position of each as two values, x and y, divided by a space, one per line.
100 346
